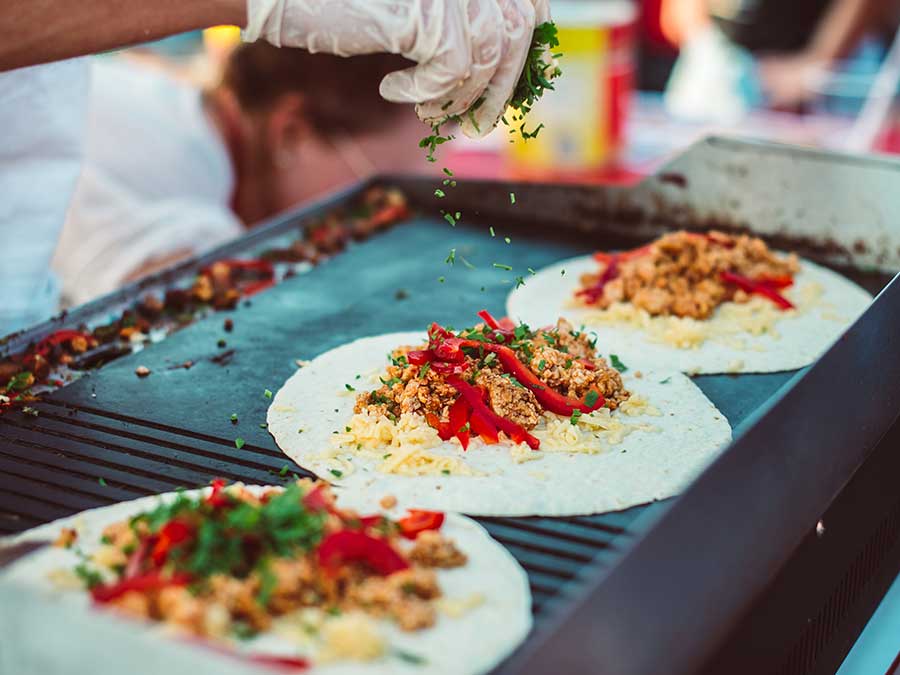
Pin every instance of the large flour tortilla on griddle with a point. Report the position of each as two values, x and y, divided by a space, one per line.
646 466
801 337
475 642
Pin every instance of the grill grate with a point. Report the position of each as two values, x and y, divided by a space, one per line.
172 429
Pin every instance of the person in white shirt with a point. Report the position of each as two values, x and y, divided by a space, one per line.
171 171
463 51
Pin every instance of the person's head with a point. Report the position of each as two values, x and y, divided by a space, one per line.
298 124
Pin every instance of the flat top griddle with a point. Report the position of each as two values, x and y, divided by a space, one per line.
112 436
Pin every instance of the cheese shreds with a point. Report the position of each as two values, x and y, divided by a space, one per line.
353 637
377 432
638 405
456 608
416 462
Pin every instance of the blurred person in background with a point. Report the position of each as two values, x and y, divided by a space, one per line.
739 53
170 171
461 52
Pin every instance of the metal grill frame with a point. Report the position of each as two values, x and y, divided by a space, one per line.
589 570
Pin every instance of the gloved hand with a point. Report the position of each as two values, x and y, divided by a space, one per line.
468 51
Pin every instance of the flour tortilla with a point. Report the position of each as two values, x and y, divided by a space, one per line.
475 642
646 466
801 338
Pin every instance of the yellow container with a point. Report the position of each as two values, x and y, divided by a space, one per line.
584 118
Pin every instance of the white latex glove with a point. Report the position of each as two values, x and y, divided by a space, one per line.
465 49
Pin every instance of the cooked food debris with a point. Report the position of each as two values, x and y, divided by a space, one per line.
388 502
687 274
142 371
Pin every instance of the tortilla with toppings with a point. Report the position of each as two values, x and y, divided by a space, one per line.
287 577
497 419
698 303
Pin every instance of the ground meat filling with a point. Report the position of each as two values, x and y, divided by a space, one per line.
563 358
679 274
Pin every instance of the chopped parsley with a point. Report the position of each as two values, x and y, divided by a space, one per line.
267 393
666 381
409 657
452 257
234 418
512 197
541 365
500 266
239 443
102 481
337 473
591 398
616 363
576 415
284 470
20 381
492 231
440 194
349 387
446 472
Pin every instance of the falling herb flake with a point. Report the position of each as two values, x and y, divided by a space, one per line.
102 481
616 363
263 425
507 240
531 271
267 393
337 473
450 219
512 197
452 257
576 415
440 194
441 280
234 418
562 273
284 470
520 281
467 263
500 266
666 381
492 231
448 171
239 443
349 387
446 472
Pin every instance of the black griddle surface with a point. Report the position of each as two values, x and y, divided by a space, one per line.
173 428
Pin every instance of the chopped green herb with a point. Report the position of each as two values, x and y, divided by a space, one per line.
284 470
234 418
500 266
409 657
450 219
531 271
512 197
451 259
616 363
576 415
520 281
441 280
347 429
507 240
267 393
447 171
568 364
239 443
591 398
541 364
337 473
349 387
20 381
263 425
666 381
446 472
492 231
102 481
89 576
440 194
562 273
387 455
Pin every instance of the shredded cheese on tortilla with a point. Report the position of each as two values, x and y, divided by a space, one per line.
729 324
417 462
456 608
352 636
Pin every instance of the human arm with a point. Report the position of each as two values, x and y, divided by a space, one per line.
39 31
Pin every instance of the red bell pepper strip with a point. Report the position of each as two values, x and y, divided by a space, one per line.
136 560
504 326
420 357
218 497
152 581
347 546
592 293
443 429
418 521
603 257
511 429
314 500
459 418
483 426
777 283
171 534
280 663
756 288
